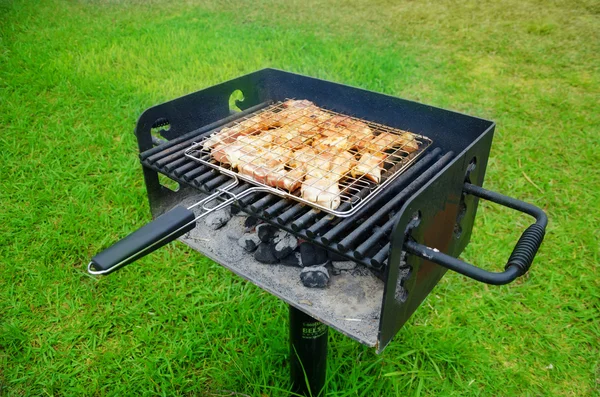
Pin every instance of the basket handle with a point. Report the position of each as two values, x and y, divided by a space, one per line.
519 261
161 231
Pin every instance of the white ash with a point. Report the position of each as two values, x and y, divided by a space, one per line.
344 265
248 241
348 295
284 244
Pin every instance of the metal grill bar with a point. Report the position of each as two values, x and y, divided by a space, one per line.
380 257
277 207
188 176
291 213
268 199
315 156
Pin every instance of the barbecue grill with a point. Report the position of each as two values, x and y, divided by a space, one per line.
408 230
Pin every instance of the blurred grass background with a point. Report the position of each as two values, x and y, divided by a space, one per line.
74 77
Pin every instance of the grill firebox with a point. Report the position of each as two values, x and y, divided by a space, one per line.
426 201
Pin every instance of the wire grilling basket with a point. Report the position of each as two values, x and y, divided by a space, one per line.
294 149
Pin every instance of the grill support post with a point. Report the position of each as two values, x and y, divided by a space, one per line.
308 354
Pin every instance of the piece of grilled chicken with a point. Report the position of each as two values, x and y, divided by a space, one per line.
369 165
386 141
323 174
322 191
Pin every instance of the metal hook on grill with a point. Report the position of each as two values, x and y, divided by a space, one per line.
161 231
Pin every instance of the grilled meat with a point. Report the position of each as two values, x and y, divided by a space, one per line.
301 146
386 141
301 157
230 134
370 165
322 191
233 154
288 180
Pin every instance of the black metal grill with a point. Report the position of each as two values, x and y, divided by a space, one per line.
431 204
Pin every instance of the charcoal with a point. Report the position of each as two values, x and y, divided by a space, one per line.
314 277
235 210
217 219
251 222
266 232
264 254
334 257
284 243
292 259
343 265
249 241
313 255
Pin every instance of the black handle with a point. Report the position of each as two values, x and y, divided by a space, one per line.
143 241
522 256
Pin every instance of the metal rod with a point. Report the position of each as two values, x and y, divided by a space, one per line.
202 178
379 258
251 198
308 354
260 204
359 252
291 213
188 176
168 159
185 168
305 219
174 164
213 183
386 209
276 208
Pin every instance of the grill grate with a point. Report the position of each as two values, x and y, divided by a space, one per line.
294 149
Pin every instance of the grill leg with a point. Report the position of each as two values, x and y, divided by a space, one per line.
308 354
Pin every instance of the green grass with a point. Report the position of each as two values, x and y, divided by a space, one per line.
74 76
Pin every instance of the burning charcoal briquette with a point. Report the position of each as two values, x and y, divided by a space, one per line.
313 255
266 232
249 241
264 254
285 243
218 219
292 259
314 277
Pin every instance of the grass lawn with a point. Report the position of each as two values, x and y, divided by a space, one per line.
74 76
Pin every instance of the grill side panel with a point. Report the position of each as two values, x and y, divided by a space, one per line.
409 279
